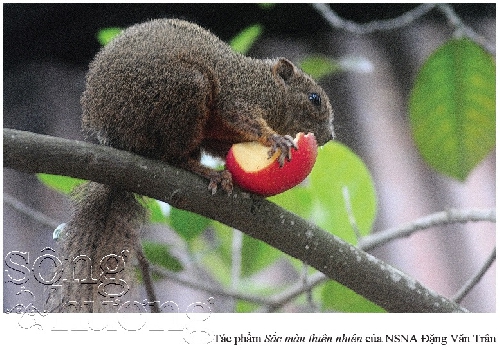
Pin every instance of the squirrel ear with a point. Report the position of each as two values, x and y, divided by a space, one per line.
284 69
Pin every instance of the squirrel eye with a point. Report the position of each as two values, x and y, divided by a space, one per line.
315 99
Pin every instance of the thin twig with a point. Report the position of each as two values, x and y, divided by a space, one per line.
305 284
280 300
30 212
236 247
461 29
148 282
398 22
350 212
474 280
405 19
441 218
210 289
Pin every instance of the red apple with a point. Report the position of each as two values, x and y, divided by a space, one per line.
254 171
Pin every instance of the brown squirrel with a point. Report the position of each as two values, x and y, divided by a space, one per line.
168 90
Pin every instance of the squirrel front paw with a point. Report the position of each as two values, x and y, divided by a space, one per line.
284 144
223 179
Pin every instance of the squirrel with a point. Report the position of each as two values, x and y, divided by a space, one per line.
169 90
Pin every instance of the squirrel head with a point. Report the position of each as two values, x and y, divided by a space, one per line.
305 107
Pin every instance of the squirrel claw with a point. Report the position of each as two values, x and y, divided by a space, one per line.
283 144
223 179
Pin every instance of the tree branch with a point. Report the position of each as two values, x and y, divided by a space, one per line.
279 300
335 21
29 212
451 216
257 217
197 285
148 281
338 22
467 287
462 29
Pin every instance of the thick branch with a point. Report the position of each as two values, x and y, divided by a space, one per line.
257 217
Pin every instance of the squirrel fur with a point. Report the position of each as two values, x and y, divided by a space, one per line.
168 89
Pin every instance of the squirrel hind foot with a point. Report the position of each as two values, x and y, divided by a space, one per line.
223 179
217 178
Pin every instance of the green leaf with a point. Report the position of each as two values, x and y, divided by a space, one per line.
299 200
243 306
336 297
156 214
105 35
319 66
246 38
159 254
256 255
337 173
188 225
343 187
216 253
452 108
63 184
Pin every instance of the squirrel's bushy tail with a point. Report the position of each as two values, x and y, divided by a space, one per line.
99 245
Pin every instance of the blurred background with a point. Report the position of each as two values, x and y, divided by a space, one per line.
47 49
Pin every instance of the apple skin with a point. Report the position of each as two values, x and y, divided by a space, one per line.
253 170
